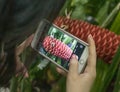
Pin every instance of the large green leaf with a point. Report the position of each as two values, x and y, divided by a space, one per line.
79 12
111 16
14 84
105 73
111 72
116 24
117 83
102 69
103 13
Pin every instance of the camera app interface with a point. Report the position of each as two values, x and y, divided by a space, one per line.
59 46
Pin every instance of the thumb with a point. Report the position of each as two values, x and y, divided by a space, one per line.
73 69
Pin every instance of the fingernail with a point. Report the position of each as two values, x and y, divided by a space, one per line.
89 36
75 56
26 75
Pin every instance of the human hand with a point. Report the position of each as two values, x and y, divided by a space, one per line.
84 81
20 67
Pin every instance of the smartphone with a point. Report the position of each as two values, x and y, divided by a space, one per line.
57 45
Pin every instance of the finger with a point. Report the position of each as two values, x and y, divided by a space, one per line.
24 45
20 68
73 68
92 53
61 71
25 73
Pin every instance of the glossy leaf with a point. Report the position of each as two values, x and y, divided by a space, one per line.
103 13
111 72
116 24
117 83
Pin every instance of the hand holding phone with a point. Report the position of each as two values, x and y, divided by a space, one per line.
82 82
58 46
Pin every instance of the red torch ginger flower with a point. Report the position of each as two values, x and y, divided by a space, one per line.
106 41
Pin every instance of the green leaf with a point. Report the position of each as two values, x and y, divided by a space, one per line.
14 84
111 16
79 12
102 68
66 6
117 83
75 2
111 72
116 24
25 86
105 73
103 13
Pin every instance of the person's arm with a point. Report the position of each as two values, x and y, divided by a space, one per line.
84 81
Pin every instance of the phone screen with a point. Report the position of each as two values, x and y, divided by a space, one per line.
58 46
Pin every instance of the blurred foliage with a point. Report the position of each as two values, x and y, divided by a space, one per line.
116 24
117 83
99 12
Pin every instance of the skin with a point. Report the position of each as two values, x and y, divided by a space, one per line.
20 68
84 81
